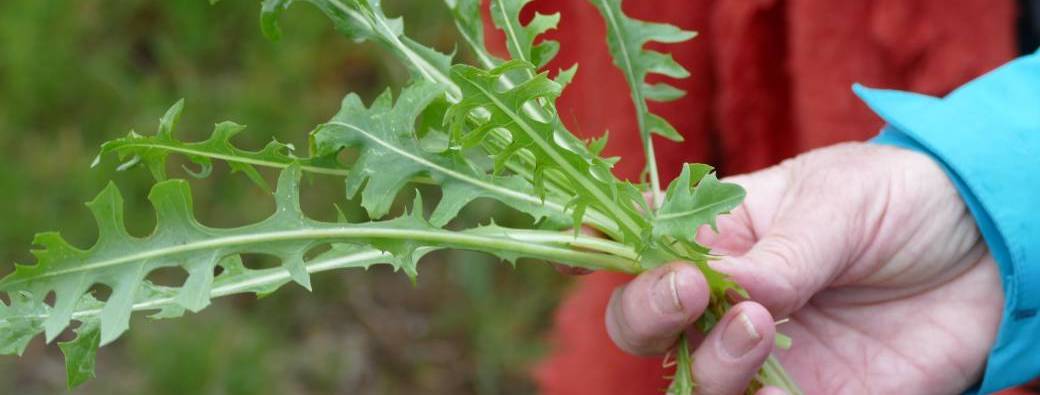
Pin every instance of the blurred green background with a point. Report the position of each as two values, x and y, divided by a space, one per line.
76 73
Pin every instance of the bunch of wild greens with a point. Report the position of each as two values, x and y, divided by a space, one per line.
489 131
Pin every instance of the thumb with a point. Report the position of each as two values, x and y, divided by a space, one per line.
800 243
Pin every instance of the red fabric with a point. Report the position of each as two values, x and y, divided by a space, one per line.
770 79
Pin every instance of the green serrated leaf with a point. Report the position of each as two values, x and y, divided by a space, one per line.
123 262
391 156
153 151
692 200
626 38
557 152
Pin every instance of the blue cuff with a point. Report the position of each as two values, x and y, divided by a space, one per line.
986 136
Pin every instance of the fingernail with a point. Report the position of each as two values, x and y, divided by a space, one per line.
740 336
666 294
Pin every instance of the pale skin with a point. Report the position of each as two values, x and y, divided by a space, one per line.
868 251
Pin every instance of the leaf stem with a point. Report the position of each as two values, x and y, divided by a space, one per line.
655 179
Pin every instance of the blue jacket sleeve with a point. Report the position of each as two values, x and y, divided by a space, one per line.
986 135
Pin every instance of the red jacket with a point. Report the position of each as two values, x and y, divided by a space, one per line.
770 79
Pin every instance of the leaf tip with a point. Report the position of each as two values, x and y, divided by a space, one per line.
169 120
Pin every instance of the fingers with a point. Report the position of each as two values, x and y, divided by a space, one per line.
792 260
732 353
646 316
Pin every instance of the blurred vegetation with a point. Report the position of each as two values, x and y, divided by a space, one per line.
76 73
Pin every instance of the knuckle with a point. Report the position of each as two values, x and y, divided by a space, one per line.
790 259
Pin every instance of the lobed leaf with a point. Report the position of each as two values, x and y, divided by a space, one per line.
555 151
696 198
153 151
626 38
123 262
391 155
392 150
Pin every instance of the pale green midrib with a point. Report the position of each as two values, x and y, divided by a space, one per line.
514 39
698 210
511 31
628 69
637 99
449 238
247 283
281 274
587 242
483 56
562 163
239 159
451 173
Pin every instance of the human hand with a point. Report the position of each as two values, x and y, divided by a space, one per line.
871 254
